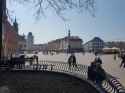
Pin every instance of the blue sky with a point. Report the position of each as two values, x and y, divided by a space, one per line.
109 23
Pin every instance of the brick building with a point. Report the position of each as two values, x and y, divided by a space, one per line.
10 42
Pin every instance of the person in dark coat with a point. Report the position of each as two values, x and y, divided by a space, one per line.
96 53
11 62
92 71
72 61
96 73
37 61
123 61
100 74
22 61
98 60
69 62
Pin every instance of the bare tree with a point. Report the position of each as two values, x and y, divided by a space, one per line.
60 6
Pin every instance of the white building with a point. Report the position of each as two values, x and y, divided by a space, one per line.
94 45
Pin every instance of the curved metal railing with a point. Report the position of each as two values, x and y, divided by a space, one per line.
63 67
110 85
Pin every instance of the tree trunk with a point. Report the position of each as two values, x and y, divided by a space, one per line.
1 14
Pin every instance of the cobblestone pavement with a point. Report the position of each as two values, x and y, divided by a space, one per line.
109 64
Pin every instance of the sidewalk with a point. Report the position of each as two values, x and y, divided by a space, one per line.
109 64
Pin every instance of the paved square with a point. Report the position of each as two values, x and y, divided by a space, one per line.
109 64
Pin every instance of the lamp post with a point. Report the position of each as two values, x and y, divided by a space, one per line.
69 46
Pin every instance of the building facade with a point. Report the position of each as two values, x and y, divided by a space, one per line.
39 47
118 44
66 44
94 45
10 42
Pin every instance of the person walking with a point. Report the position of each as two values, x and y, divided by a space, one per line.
98 60
37 62
72 61
123 61
69 62
100 74
36 59
92 71
96 73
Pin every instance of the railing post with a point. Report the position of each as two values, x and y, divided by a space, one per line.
51 67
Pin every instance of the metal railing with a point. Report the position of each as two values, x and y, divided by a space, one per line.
110 85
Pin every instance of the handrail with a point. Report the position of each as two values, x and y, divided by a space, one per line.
114 85
111 84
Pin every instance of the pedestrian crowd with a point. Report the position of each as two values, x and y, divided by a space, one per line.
95 71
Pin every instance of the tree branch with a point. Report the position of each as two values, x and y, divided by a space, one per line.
61 5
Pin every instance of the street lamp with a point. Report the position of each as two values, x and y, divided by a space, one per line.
69 46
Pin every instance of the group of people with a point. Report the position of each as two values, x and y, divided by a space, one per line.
122 57
19 62
72 61
95 71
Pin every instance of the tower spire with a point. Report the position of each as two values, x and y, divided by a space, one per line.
15 24
4 10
